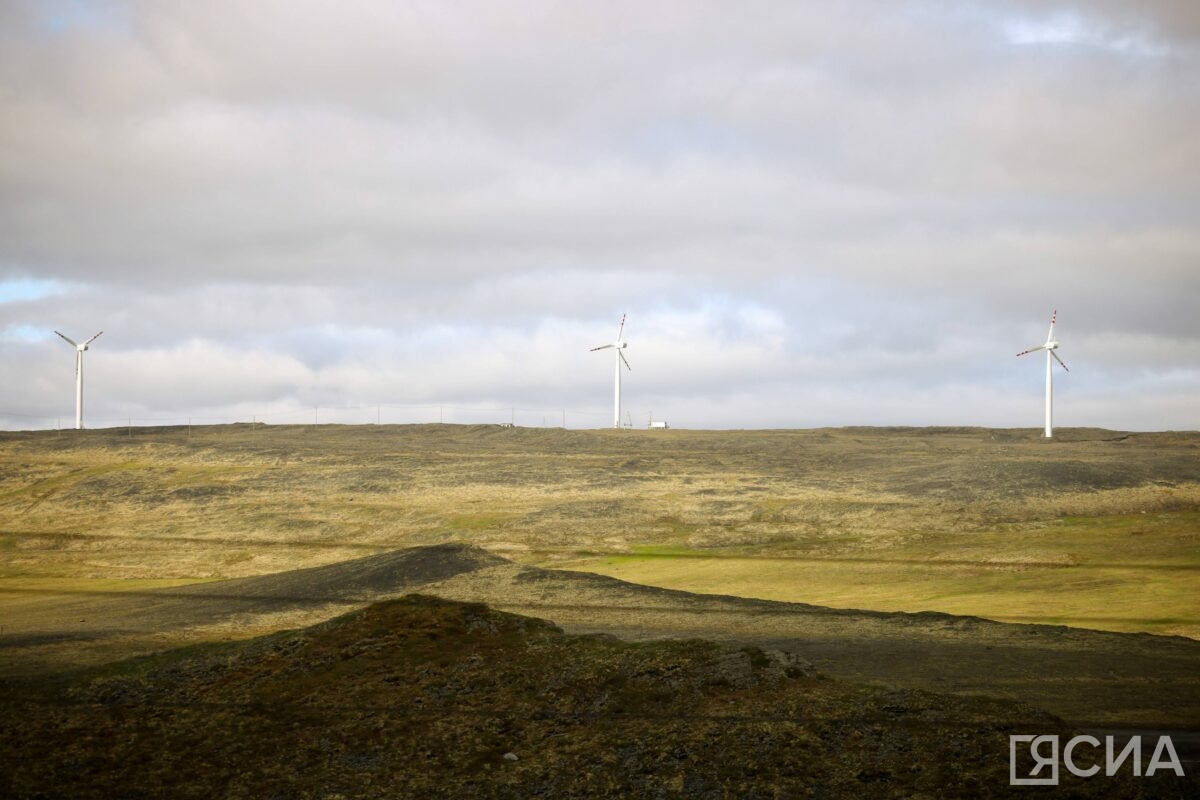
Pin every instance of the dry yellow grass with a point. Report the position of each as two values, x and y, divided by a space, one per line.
1095 529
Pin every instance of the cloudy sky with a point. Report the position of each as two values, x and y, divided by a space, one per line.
813 213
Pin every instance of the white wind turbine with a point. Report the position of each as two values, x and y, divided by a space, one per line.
618 345
79 348
1050 346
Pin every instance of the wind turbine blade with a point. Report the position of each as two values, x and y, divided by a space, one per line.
68 340
601 347
622 355
622 328
1031 350
94 338
1059 360
1053 317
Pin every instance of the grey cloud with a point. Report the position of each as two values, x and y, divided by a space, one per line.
422 202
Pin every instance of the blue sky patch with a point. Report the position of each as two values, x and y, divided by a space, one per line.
27 289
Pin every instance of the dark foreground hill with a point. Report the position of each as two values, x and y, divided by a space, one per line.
1089 678
421 697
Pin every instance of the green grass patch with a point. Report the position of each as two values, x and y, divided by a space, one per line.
1138 524
665 551
1129 573
479 522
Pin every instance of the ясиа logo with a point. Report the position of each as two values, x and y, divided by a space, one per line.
1043 751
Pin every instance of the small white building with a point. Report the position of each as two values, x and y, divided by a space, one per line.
658 425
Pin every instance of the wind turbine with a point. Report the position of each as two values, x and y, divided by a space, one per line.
79 348
1050 346
618 345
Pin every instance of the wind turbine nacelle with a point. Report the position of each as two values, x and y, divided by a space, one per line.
623 345
1051 345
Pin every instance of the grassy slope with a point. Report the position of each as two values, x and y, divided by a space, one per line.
1124 573
1093 529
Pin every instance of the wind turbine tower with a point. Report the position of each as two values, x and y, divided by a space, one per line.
618 346
79 348
1050 346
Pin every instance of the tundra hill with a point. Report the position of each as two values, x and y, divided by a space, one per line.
1092 678
1001 524
422 697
